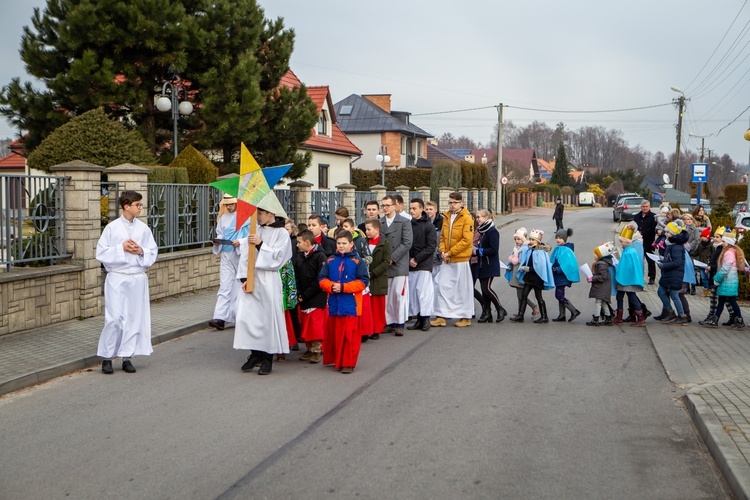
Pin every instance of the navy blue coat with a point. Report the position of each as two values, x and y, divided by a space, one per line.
487 252
673 265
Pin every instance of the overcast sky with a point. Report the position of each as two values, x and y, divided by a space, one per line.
581 55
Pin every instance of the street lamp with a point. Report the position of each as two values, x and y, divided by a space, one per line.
383 158
681 105
171 102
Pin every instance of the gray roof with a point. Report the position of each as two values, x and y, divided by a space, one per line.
366 117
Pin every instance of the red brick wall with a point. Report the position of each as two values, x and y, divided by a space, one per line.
392 140
383 101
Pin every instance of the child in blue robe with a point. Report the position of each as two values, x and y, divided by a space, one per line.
565 272
629 277
535 272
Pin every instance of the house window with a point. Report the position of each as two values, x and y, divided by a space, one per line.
323 123
403 145
323 176
419 148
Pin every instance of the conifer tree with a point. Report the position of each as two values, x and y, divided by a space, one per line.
561 174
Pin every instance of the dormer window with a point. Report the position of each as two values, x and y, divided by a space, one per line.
323 123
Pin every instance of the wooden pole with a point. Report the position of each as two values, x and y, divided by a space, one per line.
250 283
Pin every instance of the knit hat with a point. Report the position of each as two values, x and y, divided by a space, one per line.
720 231
674 228
520 233
564 234
664 210
729 236
536 234
706 233
606 248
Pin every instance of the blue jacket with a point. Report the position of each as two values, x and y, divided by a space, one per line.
542 266
673 265
351 272
565 265
489 262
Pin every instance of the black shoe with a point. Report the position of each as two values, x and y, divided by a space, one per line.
729 322
365 338
517 318
739 323
670 317
486 316
561 316
375 336
711 322
217 323
127 366
252 361
426 323
501 314
651 281
574 313
417 324
606 321
660 316
646 312
631 316
266 364
543 310
107 367
594 321
295 347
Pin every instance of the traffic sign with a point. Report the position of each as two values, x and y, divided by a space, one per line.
700 172
504 181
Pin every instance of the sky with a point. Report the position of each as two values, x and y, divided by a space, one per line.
581 55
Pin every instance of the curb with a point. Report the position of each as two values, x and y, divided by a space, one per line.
728 458
65 367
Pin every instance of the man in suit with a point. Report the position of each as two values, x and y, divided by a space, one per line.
397 230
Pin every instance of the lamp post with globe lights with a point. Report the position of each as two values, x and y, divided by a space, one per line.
170 101
383 158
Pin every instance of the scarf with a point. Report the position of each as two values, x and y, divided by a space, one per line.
373 241
485 226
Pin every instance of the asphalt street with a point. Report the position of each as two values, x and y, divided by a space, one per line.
492 411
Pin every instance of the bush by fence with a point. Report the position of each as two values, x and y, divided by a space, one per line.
200 170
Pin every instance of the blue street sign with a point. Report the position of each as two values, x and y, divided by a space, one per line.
700 172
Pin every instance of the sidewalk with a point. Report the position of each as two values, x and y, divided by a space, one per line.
30 357
711 366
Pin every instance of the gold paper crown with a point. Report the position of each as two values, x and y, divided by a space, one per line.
604 249
627 232
674 228
536 234
720 231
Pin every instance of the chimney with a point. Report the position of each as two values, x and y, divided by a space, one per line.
383 101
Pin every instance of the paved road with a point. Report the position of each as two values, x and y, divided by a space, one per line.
500 411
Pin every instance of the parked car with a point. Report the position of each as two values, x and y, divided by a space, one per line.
624 195
626 208
742 224
586 199
740 206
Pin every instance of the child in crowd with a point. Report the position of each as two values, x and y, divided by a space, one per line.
380 249
514 262
313 311
363 250
629 278
673 275
316 224
703 254
713 267
731 261
344 276
535 273
565 272
601 284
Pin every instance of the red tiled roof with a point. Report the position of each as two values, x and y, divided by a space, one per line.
290 80
13 162
437 153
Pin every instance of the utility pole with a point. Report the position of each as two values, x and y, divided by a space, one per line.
498 183
703 141
681 104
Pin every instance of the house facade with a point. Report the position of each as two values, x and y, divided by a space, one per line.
374 128
333 152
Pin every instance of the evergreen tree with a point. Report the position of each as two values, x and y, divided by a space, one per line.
561 174
94 138
114 55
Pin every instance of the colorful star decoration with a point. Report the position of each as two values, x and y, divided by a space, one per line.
254 187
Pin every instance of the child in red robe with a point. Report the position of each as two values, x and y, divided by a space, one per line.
380 249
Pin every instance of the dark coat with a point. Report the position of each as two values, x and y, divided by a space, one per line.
647 227
307 269
487 252
424 243
558 215
438 222
601 283
328 245
673 265
381 261
713 262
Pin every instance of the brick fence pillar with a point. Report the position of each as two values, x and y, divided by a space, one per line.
349 203
131 178
304 199
379 191
83 227
442 201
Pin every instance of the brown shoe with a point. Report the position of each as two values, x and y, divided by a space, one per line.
463 322
347 369
306 355
438 321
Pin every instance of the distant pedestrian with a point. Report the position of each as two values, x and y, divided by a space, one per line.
127 249
558 215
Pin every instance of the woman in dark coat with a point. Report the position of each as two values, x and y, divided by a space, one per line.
488 265
673 274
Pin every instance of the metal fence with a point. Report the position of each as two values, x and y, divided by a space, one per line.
182 215
288 200
360 200
470 202
325 203
32 220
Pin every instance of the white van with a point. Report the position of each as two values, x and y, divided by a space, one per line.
586 199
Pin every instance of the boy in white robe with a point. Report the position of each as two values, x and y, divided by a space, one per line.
229 286
260 324
127 249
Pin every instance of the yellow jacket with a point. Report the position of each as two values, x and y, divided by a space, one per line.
456 241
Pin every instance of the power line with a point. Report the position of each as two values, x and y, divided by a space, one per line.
590 111
454 111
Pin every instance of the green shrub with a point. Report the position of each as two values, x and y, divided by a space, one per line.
161 175
444 174
91 137
552 189
734 193
199 168
181 175
467 175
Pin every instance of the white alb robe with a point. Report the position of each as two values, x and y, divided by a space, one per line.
127 311
397 300
260 323
229 285
454 291
421 293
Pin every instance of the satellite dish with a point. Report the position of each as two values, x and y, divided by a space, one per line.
666 178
